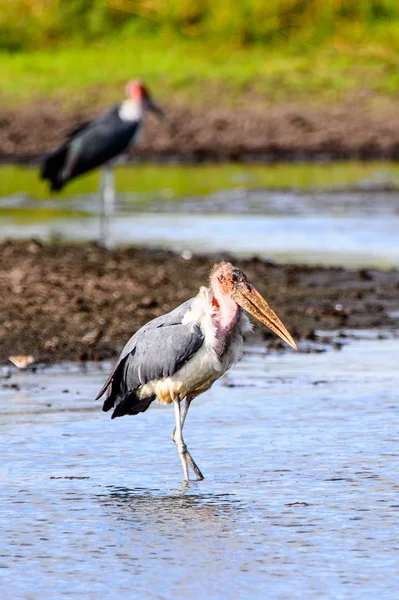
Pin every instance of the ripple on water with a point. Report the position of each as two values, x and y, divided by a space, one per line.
300 497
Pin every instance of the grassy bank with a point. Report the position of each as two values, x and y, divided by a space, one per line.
292 51
181 71
28 24
168 182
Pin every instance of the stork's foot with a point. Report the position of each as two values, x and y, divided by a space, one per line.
194 467
182 448
187 456
198 474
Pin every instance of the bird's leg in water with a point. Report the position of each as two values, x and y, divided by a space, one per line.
186 406
107 192
191 462
181 446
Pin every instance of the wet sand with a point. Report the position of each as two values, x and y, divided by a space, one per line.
80 302
255 132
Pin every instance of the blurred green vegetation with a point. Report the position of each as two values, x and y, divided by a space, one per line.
148 183
36 23
279 50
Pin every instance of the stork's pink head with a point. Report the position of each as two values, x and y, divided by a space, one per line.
138 93
226 277
229 281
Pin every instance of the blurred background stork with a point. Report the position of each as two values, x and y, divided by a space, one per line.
99 143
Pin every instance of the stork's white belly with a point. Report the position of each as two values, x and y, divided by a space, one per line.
205 367
195 377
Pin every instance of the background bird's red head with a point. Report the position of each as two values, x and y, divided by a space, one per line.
138 93
136 90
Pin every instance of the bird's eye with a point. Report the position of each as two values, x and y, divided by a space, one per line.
234 278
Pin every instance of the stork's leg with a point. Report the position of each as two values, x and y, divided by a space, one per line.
181 446
103 225
107 204
186 406
190 460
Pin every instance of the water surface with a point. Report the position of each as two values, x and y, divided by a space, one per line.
327 214
300 498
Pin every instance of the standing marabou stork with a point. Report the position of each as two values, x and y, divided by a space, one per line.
179 355
100 142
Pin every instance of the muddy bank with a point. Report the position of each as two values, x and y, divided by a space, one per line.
78 302
286 132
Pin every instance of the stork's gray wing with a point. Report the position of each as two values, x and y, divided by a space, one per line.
174 317
160 352
157 350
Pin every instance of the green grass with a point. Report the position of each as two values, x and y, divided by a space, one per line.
202 73
158 182
202 52
21 216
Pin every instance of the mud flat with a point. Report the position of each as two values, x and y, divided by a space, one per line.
80 302
279 132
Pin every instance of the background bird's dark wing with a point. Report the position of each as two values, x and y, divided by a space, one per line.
103 117
103 140
54 162
89 145
78 129
157 350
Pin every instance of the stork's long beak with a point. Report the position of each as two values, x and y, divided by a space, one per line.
249 298
153 107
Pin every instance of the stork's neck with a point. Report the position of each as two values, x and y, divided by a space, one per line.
226 318
131 111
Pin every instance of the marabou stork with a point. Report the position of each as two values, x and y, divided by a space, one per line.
99 142
179 355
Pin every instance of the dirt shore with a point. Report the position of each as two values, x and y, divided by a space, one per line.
80 302
283 132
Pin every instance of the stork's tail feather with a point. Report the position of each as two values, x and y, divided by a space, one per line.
130 404
52 168
118 395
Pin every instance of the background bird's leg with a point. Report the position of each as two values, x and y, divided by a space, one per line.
181 446
191 462
103 224
107 191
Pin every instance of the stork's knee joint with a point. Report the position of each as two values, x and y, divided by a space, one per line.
182 448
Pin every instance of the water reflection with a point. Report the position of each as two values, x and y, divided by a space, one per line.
152 507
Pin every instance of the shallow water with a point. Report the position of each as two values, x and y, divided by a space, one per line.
353 226
315 240
300 498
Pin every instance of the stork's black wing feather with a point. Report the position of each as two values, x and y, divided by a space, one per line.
90 145
157 350
79 128
53 162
